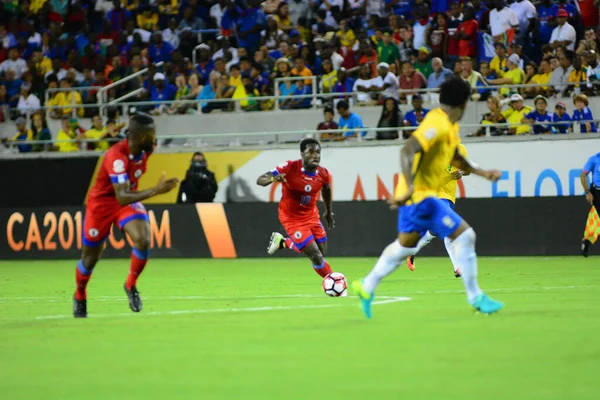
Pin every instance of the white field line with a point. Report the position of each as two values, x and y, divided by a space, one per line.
54 299
389 299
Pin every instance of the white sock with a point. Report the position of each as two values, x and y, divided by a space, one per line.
390 259
463 248
425 240
450 251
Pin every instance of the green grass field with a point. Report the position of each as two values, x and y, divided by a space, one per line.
262 329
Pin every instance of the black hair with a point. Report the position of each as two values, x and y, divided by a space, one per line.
244 58
343 104
570 55
327 109
455 92
140 122
307 142
236 66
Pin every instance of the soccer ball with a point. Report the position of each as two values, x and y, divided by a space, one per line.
335 284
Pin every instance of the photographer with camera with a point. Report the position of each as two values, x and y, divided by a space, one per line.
199 185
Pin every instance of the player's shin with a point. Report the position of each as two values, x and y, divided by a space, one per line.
323 269
139 258
451 254
425 240
82 277
463 248
390 259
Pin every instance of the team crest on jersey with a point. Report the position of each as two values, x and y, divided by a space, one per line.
298 235
118 166
93 232
138 173
307 188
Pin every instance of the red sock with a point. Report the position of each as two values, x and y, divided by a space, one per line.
139 259
289 244
323 269
81 279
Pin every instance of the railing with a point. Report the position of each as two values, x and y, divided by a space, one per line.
102 94
218 140
278 96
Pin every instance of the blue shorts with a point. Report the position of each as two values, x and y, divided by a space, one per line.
432 214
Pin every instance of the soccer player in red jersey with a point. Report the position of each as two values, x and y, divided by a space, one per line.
302 181
115 200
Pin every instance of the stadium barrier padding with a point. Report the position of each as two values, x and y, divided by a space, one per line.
504 226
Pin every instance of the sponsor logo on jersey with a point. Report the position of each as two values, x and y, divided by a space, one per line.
118 166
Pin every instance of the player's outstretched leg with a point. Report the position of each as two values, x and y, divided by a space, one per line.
320 265
463 247
450 250
393 255
83 274
424 241
278 241
139 232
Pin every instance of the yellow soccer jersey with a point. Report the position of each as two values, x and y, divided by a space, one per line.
439 138
448 191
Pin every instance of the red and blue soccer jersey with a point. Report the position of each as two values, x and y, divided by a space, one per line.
298 212
103 209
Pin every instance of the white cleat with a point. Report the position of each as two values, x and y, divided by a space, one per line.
275 243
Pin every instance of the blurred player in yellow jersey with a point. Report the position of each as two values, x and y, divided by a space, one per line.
423 160
447 194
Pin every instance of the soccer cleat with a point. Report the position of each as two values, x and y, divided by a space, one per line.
79 308
365 298
410 263
457 273
277 242
585 247
486 305
135 301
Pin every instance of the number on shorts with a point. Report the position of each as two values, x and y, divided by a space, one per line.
305 200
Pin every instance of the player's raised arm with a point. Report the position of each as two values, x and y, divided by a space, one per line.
460 162
267 178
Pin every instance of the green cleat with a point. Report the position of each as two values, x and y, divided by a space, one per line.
365 298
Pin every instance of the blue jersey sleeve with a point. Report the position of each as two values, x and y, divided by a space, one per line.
590 165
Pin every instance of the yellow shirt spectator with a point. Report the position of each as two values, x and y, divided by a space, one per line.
172 8
235 82
328 81
578 76
94 133
44 66
36 5
131 5
68 99
498 65
347 38
66 147
283 23
516 75
514 117
147 21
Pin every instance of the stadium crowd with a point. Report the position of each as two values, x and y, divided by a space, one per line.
373 47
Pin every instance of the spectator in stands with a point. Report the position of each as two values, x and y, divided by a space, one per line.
159 50
411 79
560 76
526 14
540 119
363 84
223 91
493 116
97 132
502 19
301 70
66 134
582 115
42 63
590 42
171 34
423 65
15 63
391 117
467 73
147 18
161 90
415 116
327 125
328 77
67 98
514 75
436 36
191 21
271 36
28 102
209 91
439 74
498 63
561 118
385 84
39 131
466 33
579 75
349 120
23 135
119 16
387 51
344 83
593 68
516 48
299 102
514 115
543 77
531 70
564 33
252 22
235 77
456 18
346 35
